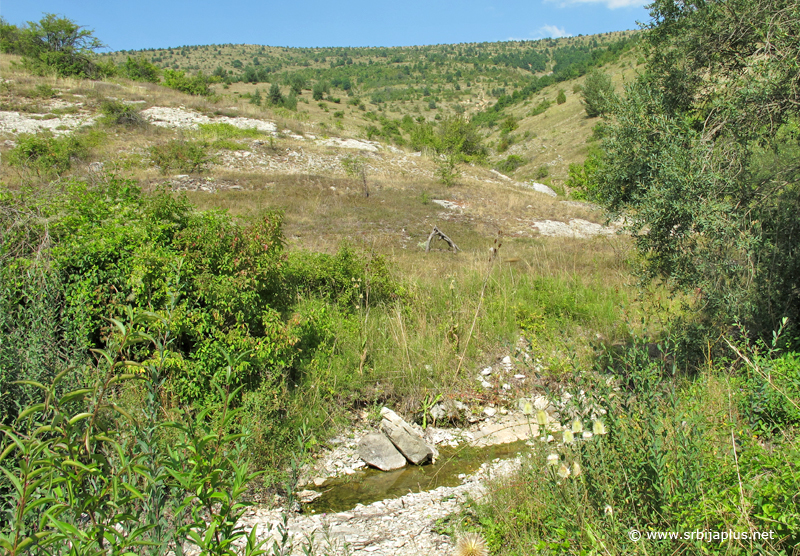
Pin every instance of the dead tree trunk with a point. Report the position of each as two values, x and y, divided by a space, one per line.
442 236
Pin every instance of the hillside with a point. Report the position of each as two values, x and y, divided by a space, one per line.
341 301
369 91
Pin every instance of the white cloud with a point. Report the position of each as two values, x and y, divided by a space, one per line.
610 4
551 31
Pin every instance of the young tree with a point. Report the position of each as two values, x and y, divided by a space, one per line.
275 96
701 157
59 45
597 94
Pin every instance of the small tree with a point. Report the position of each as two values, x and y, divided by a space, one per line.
562 97
255 98
59 45
275 96
598 94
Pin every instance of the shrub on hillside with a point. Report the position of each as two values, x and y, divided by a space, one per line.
195 85
46 154
141 69
509 164
118 113
598 94
181 156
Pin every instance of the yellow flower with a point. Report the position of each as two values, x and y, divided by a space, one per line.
541 418
527 408
552 459
576 469
577 426
568 437
563 471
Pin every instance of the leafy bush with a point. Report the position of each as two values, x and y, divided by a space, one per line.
46 154
59 45
541 107
141 69
597 95
72 484
118 113
195 85
562 97
181 156
510 164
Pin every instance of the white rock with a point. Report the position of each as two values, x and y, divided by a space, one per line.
490 411
487 371
486 384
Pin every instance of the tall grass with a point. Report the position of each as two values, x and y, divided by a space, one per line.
682 454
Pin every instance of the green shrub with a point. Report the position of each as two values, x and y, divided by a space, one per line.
562 97
195 85
141 69
57 45
118 113
542 172
540 108
180 156
46 154
80 465
597 95
275 96
510 164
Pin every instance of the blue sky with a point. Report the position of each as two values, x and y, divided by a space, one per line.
163 23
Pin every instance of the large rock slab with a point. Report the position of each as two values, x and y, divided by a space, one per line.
407 440
378 451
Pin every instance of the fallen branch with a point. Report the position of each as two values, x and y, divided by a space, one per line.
442 236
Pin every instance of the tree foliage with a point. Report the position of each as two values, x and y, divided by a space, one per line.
597 95
55 45
702 157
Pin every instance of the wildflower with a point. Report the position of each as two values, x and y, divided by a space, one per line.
608 510
598 427
552 459
471 544
563 471
541 418
527 408
568 437
587 435
576 469
577 426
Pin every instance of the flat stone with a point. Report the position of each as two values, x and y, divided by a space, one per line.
378 451
407 440
308 496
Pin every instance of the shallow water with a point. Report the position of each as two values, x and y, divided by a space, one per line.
371 485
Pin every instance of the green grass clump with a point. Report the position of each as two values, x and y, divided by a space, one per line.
223 130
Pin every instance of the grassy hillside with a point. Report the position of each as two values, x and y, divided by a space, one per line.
369 91
194 286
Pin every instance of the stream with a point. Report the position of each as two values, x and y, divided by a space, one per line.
371 485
